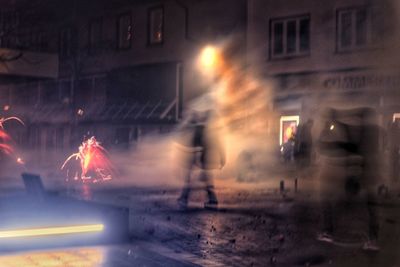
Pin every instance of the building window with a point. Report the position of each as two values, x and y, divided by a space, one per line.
66 42
83 92
50 138
290 36
40 41
9 20
59 142
156 25
124 31
95 35
49 93
356 28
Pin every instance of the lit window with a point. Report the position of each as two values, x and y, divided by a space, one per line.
357 28
124 31
288 128
290 36
156 25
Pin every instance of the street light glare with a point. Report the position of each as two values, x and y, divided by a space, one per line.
208 57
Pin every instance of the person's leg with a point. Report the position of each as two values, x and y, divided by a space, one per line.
394 159
186 187
187 173
207 178
327 208
373 224
327 213
373 216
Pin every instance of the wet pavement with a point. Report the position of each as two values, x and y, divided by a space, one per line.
252 227
105 256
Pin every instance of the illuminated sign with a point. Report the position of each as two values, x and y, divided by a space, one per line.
288 127
396 117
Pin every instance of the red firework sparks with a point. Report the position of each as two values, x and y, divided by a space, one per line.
93 161
6 140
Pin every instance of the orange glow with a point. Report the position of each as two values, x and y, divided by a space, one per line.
288 127
20 161
87 160
88 257
52 231
289 132
93 160
209 57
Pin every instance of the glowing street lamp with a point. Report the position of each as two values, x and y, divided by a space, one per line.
209 57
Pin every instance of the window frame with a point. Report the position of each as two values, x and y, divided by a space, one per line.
65 45
118 36
284 20
149 29
369 43
95 48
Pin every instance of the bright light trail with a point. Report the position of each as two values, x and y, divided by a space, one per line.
52 231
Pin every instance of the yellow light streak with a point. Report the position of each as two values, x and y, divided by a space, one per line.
52 231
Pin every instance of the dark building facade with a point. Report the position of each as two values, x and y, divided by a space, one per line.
115 69
326 53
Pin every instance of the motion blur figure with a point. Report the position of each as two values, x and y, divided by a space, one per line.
394 149
349 144
303 148
303 144
205 151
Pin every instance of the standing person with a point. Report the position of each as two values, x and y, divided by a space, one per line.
333 146
369 151
303 146
351 168
394 148
205 152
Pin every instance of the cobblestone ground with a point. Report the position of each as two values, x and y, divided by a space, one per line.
252 228
102 256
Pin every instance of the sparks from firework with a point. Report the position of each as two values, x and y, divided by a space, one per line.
6 140
94 163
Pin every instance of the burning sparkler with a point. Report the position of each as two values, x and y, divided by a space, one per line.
94 164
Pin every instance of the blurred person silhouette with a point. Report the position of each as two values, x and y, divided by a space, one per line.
394 149
303 148
350 170
288 148
304 144
246 167
206 152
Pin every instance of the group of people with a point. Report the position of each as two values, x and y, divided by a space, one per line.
347 146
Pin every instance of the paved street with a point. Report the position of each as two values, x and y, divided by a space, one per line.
254 226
